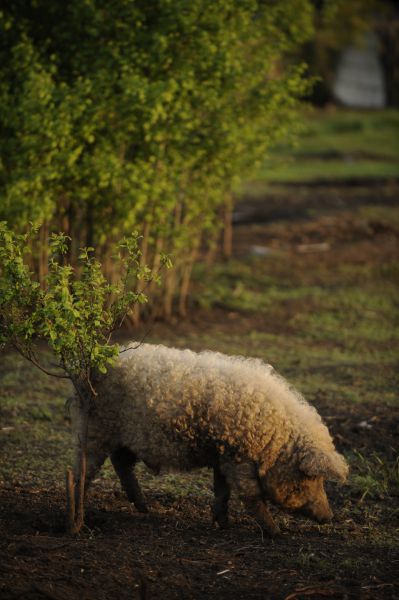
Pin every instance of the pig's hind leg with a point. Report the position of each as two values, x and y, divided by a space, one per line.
123 461
222 495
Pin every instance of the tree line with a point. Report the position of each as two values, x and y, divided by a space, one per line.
142 116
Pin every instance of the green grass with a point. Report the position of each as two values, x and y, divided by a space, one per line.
339 144
33 423
329 325
352 310
374 477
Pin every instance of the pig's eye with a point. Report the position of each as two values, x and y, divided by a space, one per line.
296 489
295 497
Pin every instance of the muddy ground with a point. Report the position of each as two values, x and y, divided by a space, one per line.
175 552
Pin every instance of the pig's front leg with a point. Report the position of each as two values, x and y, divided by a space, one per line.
257 508
245 478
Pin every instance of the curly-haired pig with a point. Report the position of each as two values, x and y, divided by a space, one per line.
177 409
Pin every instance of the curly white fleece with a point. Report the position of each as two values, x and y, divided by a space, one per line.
177 408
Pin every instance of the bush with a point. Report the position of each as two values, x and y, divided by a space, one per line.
136 115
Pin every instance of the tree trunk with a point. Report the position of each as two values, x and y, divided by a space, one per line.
43 253
170 287
67 222
228 228
75 490
89 225
171 277
75 498
185 283
134 314
213 247
156 265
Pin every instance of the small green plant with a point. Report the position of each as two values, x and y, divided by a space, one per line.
75 312
377 478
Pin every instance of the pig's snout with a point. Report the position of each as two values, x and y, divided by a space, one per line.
319 511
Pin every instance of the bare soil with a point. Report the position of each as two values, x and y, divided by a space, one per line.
174 551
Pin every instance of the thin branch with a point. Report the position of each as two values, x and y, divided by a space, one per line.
121 319
70 501
93 391
312 591
140 343
38 365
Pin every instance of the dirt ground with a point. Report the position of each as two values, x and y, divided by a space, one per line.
174 551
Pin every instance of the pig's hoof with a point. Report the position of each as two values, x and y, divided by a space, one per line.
141 508
272 531
221 521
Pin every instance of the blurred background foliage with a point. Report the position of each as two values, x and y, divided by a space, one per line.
149 116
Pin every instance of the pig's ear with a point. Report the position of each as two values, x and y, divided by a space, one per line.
330 465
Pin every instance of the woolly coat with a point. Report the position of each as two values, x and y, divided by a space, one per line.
177 409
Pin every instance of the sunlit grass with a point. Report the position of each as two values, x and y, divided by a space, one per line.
373 476
339 144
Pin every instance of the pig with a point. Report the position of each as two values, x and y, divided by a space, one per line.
182 410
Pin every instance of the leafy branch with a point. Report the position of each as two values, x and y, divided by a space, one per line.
75 312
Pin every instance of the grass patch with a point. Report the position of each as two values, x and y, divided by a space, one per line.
374 477
339 144
357 310
246 287
34 430
330 325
